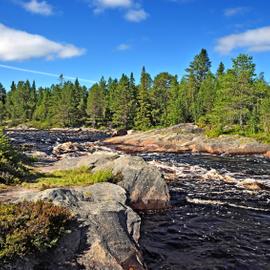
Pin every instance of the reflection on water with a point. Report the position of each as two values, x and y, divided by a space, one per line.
214 224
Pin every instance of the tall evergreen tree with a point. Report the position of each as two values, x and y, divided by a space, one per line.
221 69
235 99
175 104
143 114
2 103
123 109
206 96
160 96
196 74
96 103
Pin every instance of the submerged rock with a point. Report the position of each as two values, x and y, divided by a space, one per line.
107 237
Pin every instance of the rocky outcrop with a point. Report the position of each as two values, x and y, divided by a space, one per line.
107 237
120 132
187 138
145 185
267 154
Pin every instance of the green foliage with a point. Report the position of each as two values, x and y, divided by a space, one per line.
96 105
232 100
221 69
143 114
124 104
75 177
12 167
30 228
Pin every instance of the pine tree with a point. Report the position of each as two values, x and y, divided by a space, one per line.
197 73
175 106
41 112
2 103
206 96
265 115
96 103
143 114
235 95
160 96
199 67
124 104
110 99
221 69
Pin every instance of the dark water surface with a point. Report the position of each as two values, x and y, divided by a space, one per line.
45 140
213 224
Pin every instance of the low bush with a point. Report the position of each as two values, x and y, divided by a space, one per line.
30 228
12 166
75 177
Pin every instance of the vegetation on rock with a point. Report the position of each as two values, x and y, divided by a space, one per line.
75 177
29 228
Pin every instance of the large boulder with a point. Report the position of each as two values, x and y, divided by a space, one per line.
143 182
108 233
145 185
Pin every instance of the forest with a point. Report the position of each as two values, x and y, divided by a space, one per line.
230 100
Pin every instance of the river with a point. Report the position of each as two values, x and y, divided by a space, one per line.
215 222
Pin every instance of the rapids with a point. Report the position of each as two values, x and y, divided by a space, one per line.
216 222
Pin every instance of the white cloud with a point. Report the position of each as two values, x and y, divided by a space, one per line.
256 40
19 45
38 7
123 47
113 3
134 15
229 12
133 9
101 5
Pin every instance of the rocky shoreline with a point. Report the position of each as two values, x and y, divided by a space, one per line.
187 138
108 229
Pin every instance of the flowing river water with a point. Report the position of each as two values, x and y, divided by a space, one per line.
214 223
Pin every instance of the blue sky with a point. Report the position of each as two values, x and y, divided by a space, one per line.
91 38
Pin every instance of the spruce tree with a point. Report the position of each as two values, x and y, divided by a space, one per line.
160 96
124 104
96 103
221 69
2 103
143 114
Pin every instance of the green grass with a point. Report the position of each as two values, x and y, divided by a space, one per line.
77 177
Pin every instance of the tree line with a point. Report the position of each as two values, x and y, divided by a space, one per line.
233 100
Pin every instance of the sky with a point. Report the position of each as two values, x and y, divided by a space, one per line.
41 39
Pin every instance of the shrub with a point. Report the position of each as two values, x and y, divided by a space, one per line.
12 167
30 228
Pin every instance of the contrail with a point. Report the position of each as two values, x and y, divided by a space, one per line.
45 73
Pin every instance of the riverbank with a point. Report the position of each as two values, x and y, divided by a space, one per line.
187 138
108 227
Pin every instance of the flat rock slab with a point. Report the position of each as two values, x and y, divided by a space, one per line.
187 138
